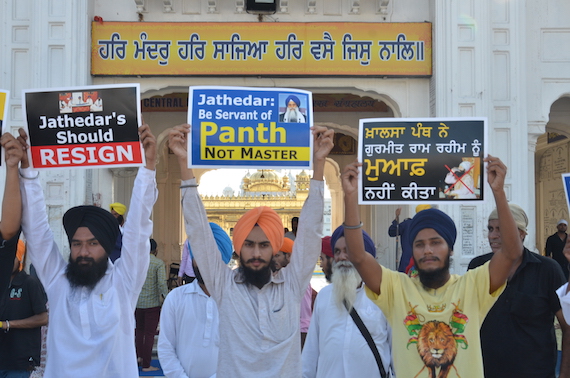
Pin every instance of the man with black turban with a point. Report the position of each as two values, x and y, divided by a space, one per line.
436 316
259 312
92 301
292 112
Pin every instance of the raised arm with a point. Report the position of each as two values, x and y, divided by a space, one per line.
503 261
12 202
204 247
40 244
322 146
134 261
368 268
308 241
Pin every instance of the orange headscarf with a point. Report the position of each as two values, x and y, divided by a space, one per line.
20 251
287 246
264 217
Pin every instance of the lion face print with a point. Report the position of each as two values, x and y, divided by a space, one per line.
437 342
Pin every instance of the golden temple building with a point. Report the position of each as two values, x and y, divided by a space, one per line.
265 187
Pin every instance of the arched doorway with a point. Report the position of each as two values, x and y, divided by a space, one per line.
552 158
339 111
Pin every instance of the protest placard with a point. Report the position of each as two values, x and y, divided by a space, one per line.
4 96
80 127
239 127
566 183
421 160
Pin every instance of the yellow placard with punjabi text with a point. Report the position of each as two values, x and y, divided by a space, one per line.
280 49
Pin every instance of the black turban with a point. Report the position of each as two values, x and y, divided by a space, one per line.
436 219
102 224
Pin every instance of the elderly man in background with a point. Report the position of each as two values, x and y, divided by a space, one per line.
524 314
343 314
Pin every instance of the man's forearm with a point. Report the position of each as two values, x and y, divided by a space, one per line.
34 321
565 363
11 205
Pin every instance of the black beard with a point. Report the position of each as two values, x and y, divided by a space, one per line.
86 275
436 278
256 278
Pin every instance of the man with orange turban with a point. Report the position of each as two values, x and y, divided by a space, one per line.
259 312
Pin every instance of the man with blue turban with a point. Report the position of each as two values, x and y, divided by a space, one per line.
188 342
436 317
335 346
292 111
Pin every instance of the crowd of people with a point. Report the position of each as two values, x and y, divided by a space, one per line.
264 319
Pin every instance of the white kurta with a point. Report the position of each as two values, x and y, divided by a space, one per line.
335 347
189 338
259 328
564 301
91 333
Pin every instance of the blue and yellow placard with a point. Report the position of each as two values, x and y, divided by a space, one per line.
241 127
4 95
566 183
422 160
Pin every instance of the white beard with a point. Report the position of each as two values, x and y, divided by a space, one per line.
345 280
294 116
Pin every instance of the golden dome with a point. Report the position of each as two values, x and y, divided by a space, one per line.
264 175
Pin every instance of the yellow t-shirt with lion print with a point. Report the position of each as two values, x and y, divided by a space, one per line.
436 329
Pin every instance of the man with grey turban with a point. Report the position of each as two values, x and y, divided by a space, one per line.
436 316
523 315
92 301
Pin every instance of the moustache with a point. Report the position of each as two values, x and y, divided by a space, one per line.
430 258
80 259
255 259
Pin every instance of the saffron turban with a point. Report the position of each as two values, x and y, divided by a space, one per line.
270 224
293 98
518 213
222 240
20 251
436 219
368 242
422 207
326 246
102 224
287 246
118 207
